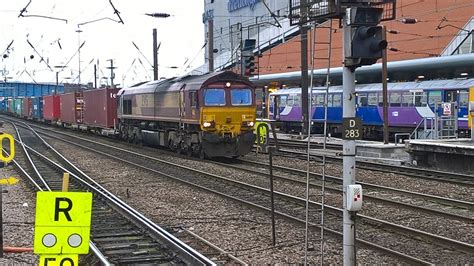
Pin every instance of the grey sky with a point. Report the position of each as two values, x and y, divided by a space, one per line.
181 37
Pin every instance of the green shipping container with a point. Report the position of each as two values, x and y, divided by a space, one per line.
18 106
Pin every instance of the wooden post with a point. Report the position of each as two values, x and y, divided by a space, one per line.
65 182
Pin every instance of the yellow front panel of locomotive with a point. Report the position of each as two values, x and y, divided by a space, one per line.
225 120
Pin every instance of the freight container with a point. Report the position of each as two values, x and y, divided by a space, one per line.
37 103
3 104
27 111
18 106
10 107
51 110
71 105
100 107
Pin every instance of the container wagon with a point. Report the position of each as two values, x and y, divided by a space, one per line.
18 106
27 111
71 106
37 112
51 110
100 110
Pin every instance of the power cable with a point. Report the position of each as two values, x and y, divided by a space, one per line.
41 57
116 12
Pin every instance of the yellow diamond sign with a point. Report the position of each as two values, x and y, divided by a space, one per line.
62 222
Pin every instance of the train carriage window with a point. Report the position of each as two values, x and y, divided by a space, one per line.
283 100
421 98
214 97
296 100
241 96
362 99
463 98
407 99
319 100
372 99
434 97
395 99
336 100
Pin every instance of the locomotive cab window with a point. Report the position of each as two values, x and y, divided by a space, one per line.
241 96
214 97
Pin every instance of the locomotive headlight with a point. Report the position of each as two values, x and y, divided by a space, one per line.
248 124
208 124
227 84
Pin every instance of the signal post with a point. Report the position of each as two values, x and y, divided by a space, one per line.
363 44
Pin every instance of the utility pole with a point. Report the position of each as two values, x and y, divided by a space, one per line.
155 55
304 67
210 42
112 74
79 51
385 89
95 76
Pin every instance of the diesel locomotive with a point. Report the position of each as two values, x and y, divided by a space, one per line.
210 115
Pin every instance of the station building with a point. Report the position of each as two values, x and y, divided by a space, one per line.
434 29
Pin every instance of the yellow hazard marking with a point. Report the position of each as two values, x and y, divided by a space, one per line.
59 260
8 181
62 222
12 147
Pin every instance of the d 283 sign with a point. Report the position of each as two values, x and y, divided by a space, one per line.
351 128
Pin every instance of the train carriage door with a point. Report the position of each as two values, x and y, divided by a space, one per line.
193 103
182 109
450 96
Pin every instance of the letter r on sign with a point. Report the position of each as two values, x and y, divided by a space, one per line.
58 208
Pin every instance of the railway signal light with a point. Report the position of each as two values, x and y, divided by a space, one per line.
249 65
366 45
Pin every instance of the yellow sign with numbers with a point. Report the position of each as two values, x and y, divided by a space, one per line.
59 260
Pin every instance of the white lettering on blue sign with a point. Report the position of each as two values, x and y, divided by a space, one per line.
207 15
234 5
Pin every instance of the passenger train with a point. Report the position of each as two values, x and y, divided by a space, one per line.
409 104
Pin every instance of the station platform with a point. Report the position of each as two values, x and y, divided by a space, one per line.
452 155
374 151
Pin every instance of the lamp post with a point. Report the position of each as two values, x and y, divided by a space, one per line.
60 68
79 51
155 43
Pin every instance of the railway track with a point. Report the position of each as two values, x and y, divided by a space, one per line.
333 154
441 206
289 206
119 234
